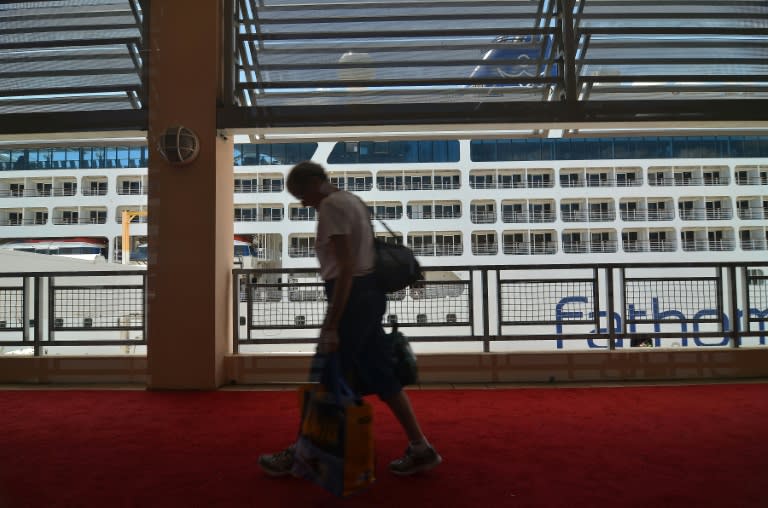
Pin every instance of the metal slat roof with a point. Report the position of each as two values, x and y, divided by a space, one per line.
70 56
465 56
302 63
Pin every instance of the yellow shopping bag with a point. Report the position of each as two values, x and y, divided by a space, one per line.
335 445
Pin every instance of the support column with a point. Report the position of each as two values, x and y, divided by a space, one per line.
190 224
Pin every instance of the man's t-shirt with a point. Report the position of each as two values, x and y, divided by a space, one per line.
343 213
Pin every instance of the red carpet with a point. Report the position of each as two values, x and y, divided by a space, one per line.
680 446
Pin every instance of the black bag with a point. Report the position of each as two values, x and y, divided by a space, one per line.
403 360
396 265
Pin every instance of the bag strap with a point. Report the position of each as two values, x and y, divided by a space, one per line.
371 217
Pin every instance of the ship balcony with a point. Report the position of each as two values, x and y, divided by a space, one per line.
707 245
517 248
449 250
719 214
100 191
25 193
661 214
512 217
574 216
389 215
526 248
260 218
753 244
132 191
301 252
483 217
634 215
636 246
756 212
438 250
751 180
692 213
602 215
485 249
421 215
389 186
576 247
539 217
589 246
65 221
662 246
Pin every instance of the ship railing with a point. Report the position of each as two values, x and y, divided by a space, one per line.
661 214
716 180
574 216
692 213
389 215
483 217
602 216
753 212
512 184
141 191
523 248
35 221
48 313
303 218
572 183
708 245
301 252
719 214
488 249
751 180
661 182
662 245
635 246
138 219
537 217
419 215
634 215
753 244
514 217
495 308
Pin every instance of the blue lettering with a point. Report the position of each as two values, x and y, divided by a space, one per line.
658 316
762 315
616 327
709 312
560 315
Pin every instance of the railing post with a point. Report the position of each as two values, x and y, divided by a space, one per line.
486 312
596 294
38 283
734 309
235 312
611 308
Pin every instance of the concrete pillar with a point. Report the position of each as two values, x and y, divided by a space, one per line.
190 226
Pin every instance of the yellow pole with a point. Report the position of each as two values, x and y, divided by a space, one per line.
128 216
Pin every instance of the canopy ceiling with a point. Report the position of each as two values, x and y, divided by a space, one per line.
298 63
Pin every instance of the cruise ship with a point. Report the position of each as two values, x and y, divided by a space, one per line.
521 201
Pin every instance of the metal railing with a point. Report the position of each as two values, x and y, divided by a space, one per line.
42 311
702 304
546 306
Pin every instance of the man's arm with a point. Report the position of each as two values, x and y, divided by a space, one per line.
329 336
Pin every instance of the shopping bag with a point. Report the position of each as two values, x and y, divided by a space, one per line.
335 444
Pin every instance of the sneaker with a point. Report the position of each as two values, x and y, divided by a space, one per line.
412 463
277 464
